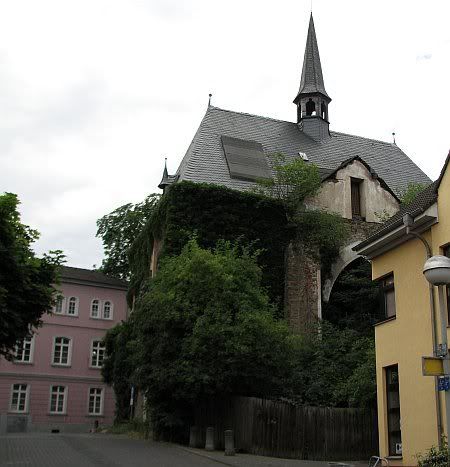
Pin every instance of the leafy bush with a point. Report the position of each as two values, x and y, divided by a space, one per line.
435 456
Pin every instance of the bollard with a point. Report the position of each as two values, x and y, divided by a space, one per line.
209 445
194 437
229 443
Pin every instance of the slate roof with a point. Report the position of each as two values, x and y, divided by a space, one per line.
312 77
419 204
205 161
70 274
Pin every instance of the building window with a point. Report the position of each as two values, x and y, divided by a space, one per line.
61 351
95 306
58 399
59 305
388 297
24 350
107 310
447 253
72 308
101 310
19 398
356 197
393 411
97 354
95 401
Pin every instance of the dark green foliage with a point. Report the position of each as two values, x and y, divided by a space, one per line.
206 328
435 456
118 230
411 191
335 368
26 282
212 213
354 301
118 366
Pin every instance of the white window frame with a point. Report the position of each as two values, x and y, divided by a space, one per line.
27 398
111 308
63 305
76 306
69 352
92 353
102 400
64 393
26 362
99 309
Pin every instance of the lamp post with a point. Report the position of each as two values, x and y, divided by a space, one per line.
437 272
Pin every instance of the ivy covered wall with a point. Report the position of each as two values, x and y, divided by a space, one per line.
211 213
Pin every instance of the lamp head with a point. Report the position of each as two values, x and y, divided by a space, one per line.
437 270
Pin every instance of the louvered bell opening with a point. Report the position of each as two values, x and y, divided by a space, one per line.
245 159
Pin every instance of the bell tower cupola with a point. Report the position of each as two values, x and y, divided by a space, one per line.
312 99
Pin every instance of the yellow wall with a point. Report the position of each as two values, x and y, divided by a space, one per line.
407 338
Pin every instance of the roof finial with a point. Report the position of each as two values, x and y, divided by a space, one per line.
393 136
311 5
209 100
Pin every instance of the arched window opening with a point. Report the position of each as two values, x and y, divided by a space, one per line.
310 108
355 299
73 306
107 310
94 308
323 111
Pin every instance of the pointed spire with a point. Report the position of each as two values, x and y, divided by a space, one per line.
312 78
165 177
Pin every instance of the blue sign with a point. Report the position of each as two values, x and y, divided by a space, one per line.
444 383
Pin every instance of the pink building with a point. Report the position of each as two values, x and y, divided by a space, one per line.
55 381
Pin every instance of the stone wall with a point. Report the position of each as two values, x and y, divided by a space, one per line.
305 288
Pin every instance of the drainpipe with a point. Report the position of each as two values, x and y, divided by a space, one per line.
408 222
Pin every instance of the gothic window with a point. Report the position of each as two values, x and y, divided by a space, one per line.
323 111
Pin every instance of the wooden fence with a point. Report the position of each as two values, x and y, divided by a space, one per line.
279 429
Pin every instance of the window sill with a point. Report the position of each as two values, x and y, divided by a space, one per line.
61 414
392 318
90 415
65 314
60 365
16 362
95 367
12 412
100 319
394 458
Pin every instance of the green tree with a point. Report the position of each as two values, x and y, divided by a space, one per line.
118 366
205 327
26 281
118 229
292 182
411 191
334 367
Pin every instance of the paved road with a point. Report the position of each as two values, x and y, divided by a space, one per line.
84 450
93 450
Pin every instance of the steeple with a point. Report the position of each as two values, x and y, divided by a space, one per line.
165 178
312 99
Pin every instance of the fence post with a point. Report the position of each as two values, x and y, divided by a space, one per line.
209 445
229 443
194 437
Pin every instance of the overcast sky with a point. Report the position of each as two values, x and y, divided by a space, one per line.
94 94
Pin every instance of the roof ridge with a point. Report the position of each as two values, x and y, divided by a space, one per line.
368 139
251 115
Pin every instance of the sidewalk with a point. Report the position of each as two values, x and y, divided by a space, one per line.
249 460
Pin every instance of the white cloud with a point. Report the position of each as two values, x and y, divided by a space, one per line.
94 94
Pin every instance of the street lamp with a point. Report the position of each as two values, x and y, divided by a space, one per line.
437 272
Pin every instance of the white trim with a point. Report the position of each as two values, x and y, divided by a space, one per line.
102 400
96 339
31 360
27 398
63 305
77 301
65 395
98 310
111 309
69 352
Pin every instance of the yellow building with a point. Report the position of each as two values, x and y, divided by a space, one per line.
411 411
